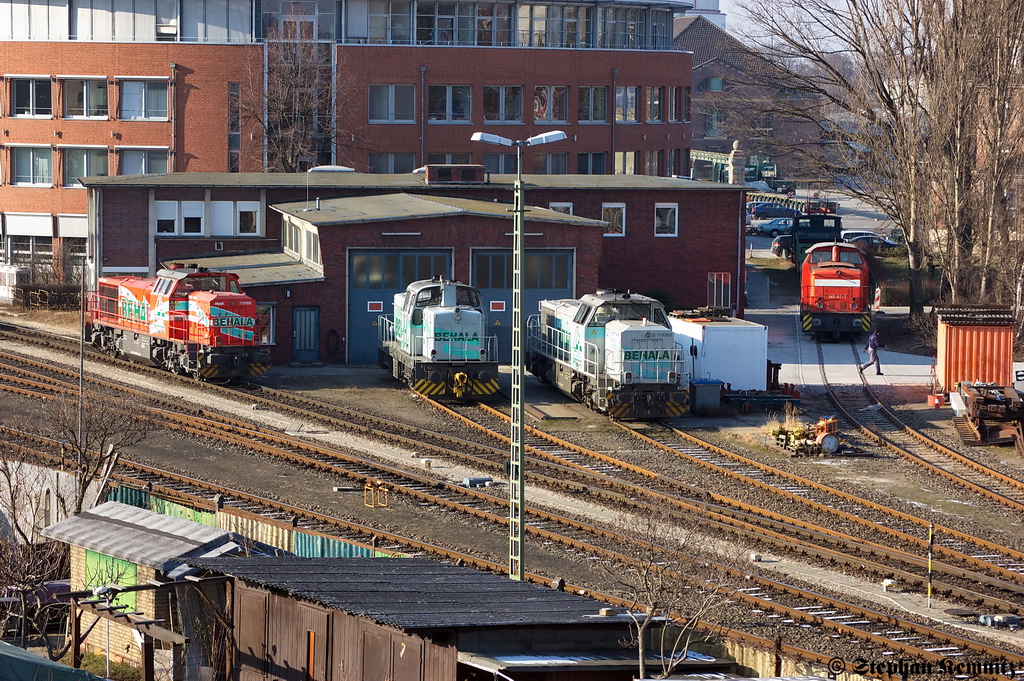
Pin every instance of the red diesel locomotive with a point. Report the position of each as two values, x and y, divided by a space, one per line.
835 291
187 320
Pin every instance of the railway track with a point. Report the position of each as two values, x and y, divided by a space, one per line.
861 408
762 600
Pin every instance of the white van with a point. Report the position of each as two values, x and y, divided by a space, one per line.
848 234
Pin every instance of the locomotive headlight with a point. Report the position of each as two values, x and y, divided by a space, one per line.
628 377
820 305
854 305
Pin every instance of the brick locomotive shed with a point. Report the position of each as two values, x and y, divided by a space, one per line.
324 253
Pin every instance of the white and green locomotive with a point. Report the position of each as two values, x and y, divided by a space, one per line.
613 351
437 341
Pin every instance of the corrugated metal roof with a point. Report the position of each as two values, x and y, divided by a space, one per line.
258 269
414 593
136 535
402 206
975 314
411 181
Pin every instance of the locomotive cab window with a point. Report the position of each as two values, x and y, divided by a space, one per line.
852 257
466 296
429 296
582 314
628 311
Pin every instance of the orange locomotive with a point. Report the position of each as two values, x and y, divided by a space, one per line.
835 291
188 320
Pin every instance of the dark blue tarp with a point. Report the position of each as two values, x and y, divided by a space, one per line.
21 665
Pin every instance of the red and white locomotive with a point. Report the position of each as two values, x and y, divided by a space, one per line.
835 291
187 320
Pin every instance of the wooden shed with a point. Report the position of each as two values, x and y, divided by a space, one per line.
415 619
975 343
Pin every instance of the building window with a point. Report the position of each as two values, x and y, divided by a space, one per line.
444 159
312 240
719 289
166 214
666 222
449 102
655 112
192 213
561 208
542 270
145 99
493 24
673 162
550 164
550 103
143 161
267 322
234 127
85 98
715 85
686 105
625 103
392 103
674 104
31 97
392 163
615 215
36 251
33 165
83 163
390 22
234 218
500 164
654 168
591 163
592 104
625 162
503 103
714 124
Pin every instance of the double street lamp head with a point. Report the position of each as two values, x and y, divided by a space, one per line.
498 140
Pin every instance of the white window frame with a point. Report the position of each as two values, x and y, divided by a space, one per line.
146 158
226 219
659 115
588 92
86 104
166 210
624 161
35 81
449 115
145 84
673 222
605 207
192 210
719 289
503 114
626 104
16 150
88 162
548 91
271 313
391 119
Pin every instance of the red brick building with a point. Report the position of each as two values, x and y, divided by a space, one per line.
103 88
324 253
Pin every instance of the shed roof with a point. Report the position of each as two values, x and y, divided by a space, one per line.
982 315
403 206
139 536
409 181
258 269
414 593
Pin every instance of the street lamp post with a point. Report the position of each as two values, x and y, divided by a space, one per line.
517 479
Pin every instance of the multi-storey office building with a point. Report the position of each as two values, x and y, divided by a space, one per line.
106 87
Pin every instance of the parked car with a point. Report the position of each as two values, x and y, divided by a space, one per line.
850 234
782 245
773 210
873 243
775 227
820 206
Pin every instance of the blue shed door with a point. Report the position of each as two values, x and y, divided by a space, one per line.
547 275
306 334
374 279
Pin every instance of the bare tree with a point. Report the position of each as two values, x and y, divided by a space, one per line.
293 95
676 582
919 100
31 497
93 432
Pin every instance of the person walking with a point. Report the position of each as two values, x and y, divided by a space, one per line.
872 349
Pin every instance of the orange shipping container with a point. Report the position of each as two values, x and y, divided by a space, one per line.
974 344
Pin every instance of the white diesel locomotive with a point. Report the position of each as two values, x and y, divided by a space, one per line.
437 343
614 352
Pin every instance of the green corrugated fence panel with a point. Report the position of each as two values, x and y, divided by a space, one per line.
317 546
138 498
176 510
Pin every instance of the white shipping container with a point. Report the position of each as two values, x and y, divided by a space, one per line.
726 349
12 277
